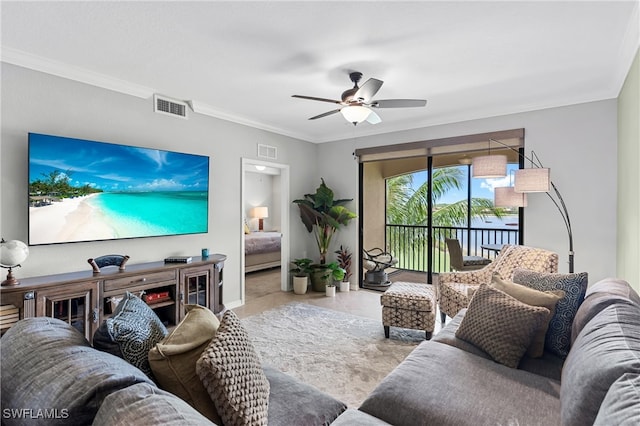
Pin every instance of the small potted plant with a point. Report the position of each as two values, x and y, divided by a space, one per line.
301 271
334 273
344 261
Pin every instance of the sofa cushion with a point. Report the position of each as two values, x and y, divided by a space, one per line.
292 402
501 325
604 293
231 371
442 385
173 361
131 332
621 405
48 364
607 348
544 299
558 338
143 403
353 417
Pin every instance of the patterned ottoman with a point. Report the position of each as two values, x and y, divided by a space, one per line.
409 305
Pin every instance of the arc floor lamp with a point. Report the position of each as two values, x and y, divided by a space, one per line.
535 179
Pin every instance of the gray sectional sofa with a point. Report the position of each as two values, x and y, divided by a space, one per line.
51 375
448 381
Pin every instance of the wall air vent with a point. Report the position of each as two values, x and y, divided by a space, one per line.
168 106
267 151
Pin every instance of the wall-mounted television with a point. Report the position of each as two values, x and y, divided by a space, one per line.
82 190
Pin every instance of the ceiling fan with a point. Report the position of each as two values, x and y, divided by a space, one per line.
357 102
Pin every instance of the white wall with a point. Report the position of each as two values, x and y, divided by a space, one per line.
629 177
578 143
37 102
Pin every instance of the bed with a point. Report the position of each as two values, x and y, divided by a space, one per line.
261 250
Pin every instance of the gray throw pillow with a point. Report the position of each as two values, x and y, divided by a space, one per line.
501 325
133 330
558 338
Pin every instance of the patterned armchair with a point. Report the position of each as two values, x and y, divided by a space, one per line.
452 290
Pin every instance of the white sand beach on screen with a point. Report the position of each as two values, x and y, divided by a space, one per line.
72 219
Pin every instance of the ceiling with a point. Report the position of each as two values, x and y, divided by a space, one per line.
242 61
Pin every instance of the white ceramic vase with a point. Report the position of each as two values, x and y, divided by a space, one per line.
344 286
330 291
300 284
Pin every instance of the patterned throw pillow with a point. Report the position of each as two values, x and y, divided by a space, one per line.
134 328
500 325
545 299
231 371
558 338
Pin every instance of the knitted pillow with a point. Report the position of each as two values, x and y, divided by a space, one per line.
231 371
558 339
133 329
500 325
545 299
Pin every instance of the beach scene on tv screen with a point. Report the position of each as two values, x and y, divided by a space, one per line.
82 190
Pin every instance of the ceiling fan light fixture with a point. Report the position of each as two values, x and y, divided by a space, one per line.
355 113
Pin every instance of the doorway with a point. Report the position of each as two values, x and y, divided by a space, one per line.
265 192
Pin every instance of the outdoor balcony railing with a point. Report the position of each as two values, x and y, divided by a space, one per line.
408 243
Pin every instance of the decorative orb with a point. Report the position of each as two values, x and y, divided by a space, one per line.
13 253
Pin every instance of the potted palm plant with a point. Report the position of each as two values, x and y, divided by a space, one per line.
323 215
344 261
301 271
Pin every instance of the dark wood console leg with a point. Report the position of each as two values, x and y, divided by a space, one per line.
428 335
386 331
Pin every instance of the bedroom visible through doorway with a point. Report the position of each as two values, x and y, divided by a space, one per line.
265 200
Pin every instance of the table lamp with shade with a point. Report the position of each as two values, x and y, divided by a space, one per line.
260 212
12 254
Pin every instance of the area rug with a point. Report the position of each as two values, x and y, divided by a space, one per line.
343 355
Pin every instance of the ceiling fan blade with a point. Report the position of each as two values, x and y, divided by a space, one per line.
368 89
373 118
313 98
399 103
325 114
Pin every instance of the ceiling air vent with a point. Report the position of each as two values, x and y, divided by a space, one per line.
267 151
164 105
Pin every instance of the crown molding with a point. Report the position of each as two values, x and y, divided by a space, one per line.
82 75
60 69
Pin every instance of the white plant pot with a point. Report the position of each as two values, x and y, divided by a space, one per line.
300 284
344 286
330 291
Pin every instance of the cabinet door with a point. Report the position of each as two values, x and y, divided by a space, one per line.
75 304
196 287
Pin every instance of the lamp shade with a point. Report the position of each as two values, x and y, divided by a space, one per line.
260 212
506 197
355 113
489 166
13 253
533 180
